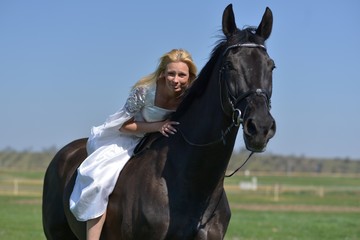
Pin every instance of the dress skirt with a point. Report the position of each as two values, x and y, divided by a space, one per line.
97 177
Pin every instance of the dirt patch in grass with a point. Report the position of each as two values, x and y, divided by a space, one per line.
29 202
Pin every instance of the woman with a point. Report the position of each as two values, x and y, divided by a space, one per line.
111 145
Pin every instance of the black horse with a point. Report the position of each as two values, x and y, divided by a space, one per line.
173 188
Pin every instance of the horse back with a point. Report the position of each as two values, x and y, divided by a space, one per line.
58 183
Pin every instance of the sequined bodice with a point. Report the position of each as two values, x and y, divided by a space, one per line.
142 101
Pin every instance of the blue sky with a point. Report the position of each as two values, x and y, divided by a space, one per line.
66 65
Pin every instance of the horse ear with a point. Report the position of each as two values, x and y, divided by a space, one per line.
228 21
265 27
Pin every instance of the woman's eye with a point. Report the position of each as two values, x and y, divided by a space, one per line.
171 74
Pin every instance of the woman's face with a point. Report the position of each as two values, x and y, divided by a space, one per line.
177 77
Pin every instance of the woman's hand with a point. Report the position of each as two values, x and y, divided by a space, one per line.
164 127
168 128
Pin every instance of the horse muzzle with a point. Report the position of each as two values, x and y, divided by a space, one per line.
258 130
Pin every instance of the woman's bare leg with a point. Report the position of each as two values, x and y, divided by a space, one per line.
94 227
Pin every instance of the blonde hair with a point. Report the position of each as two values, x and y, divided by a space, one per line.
175 55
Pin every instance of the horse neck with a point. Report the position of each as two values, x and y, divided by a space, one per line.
204 117
206 149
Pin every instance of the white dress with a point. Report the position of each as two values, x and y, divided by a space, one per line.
109 150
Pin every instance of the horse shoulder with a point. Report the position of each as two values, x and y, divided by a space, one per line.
138 206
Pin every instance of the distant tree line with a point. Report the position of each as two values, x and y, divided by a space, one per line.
262 162
27 159
266 162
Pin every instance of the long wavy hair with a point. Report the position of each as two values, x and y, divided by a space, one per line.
175 55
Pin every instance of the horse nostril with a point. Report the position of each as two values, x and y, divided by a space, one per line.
250 127
272 130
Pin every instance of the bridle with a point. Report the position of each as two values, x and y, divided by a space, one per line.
237 115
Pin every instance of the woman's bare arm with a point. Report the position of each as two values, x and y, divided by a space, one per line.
134 127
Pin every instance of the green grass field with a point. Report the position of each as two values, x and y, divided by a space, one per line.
298 212
293 225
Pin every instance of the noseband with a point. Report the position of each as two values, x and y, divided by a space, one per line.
237 115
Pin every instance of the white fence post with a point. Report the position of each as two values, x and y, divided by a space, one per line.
16 187
276 192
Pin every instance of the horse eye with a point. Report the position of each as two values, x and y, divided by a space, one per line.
228 66
272 64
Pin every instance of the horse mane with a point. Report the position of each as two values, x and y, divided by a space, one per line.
248 34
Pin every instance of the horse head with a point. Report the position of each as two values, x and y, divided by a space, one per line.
246 79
